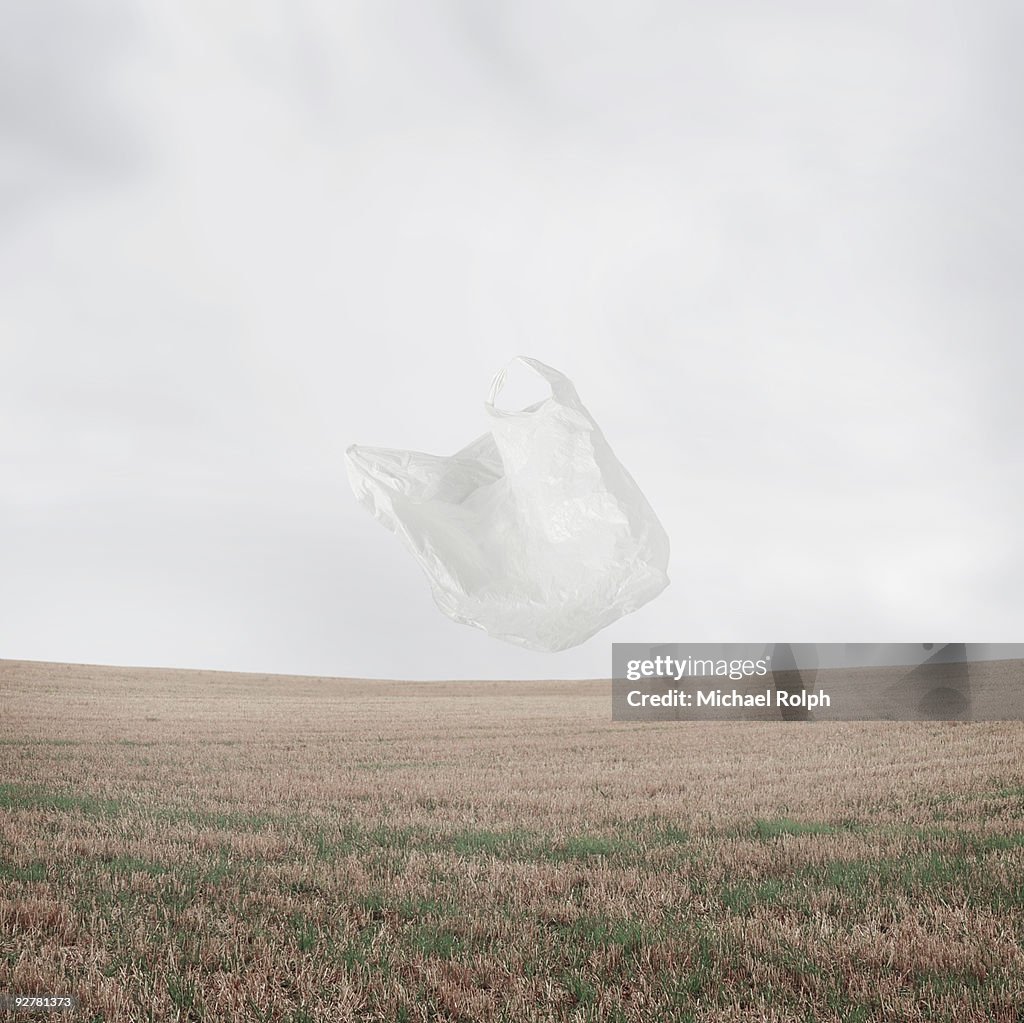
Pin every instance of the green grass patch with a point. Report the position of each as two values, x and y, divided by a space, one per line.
584 847
34 797
745 896
670 835
581 990
766 830
436 942
134 865
28 873
183 994
307 934
507 845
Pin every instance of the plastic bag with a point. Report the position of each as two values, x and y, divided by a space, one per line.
534 532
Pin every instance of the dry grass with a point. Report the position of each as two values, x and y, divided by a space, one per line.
195 846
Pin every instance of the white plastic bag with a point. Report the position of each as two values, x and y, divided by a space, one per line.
534 533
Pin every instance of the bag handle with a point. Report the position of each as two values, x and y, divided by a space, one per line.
561 387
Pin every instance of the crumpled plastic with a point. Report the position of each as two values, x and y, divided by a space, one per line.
534 532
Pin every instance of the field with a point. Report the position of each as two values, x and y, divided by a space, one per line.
198 846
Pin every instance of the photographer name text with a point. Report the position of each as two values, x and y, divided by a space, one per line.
728 698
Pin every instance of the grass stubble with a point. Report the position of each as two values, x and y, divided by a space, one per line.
200 846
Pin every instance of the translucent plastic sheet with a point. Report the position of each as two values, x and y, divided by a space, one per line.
533 532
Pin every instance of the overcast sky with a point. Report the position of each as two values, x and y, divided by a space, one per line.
776 247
